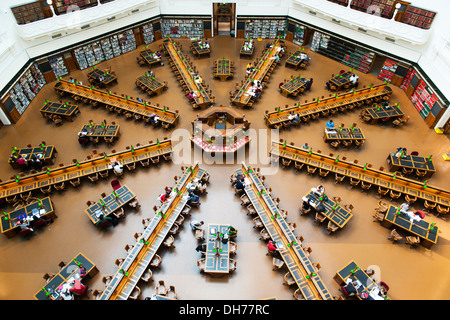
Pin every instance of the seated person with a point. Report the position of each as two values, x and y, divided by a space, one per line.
330 125
328 85
225 238
196 225
232 232
201 248
150 74
405 207
352 287
192 95
198 80
13 158
249 65
276 57
353 78
37 163
303 57
78 288
22 163
269 45
309 84
139 99
117 167
272 247
109 219
24 225
305 145
240 184
401 152
306 205
320 190
193 198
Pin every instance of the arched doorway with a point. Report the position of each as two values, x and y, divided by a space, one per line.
223 18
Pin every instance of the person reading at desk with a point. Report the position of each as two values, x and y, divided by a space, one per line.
330 125
196 225
201 248
232 232
319 190
22 163
192 95
193 198
82 137
276 57
308 84
24 224
303 57
103 220
295 117
353 79
272 247
305 146
240 184
401 153
117 167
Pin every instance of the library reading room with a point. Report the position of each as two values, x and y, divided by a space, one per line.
247 150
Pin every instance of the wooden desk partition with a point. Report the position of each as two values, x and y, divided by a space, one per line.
124 103
299 265
184 69
138 259
357 97
241 98
363 173
34 182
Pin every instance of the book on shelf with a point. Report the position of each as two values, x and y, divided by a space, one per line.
58 66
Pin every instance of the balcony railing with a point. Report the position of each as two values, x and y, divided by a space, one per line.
76 19
385 28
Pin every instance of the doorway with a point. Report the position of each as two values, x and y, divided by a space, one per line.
223 18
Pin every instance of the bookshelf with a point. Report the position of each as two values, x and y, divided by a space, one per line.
388 70
28 13
386 6
182 28
346 53
127 41
299 34
81 58
61 6
407 79
147 33
265 28
340 2
417 17
58 66
26 88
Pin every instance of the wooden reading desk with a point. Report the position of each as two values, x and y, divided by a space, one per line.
51 290
293 86
222 69
425 230
95 75
64 110
9 220
150 85
333 211
411 162
149 58
217 253
112 202
46 152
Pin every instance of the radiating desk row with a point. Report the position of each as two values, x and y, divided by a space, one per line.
299 265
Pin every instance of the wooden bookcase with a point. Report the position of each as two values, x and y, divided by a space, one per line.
28 13
417 17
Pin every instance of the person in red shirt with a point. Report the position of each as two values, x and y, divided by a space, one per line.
22 163
272 247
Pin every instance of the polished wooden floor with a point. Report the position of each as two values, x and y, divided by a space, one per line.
411 273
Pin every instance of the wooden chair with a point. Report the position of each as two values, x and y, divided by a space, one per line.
264 234
410 199
46 190
442 210
171 293
292 226
420 173
382 192
62 264
332 227
134 204
251 209
277 264
156 261
147 275
169 242
199 234
60 186
382 206
97 293
131 167
119 213
93 177
257 223
394 236
394 195
413 241
48 276
378 217
429 205
119 262
307 251
288 279
319 218
75 182
128 247
106 280
175 228
310 169
232 247
298 295
365 186
232 265
135 294
201 264
323 173
146 221
245 200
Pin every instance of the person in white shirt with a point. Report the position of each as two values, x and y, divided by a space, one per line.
354 78
118 168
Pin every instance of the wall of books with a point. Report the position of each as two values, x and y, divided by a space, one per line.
299 34
104 49
265 28
26 88
340 50
58 66
178 28
147 33
388 70
417 17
